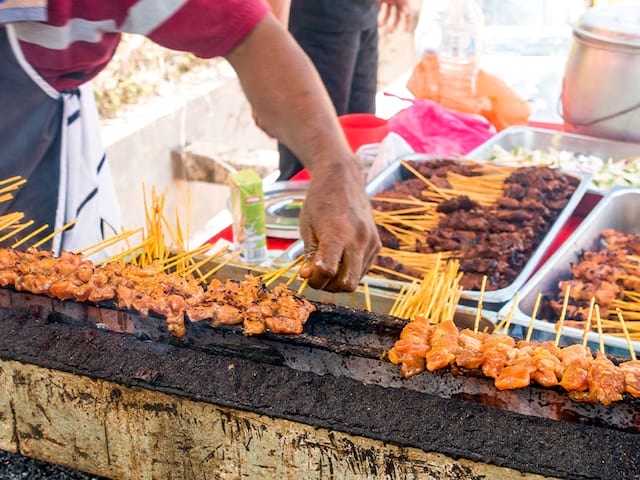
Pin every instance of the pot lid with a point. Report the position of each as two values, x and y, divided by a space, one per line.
613 24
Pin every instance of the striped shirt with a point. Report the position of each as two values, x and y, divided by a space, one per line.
80 36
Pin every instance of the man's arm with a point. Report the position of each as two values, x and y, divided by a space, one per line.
280 9
288 97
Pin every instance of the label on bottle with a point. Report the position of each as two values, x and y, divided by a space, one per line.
247 210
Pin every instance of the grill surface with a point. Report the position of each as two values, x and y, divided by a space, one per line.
330 377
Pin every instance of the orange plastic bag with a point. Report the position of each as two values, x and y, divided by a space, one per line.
494 99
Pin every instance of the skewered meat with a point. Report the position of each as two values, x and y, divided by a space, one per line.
530 203
149 289
511 365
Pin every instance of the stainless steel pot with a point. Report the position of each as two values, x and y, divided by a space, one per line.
601 86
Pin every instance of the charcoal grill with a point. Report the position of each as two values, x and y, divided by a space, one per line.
108 392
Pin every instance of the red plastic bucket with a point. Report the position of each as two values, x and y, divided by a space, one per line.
363 128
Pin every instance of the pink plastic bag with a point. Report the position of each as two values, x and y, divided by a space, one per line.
430 128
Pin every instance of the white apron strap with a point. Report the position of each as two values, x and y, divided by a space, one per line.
86 187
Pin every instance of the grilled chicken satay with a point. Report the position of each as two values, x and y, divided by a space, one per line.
498 349
470 349
631 371
575 362
444 346
606 382
411 349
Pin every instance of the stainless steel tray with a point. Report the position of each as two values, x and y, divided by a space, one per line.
619 210
543 139
395 173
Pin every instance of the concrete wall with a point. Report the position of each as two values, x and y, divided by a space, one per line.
139 144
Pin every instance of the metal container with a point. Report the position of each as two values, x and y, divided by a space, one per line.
543 139
619 210
601 91
282 203
396 173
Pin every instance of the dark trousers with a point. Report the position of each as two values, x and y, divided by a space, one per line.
348 65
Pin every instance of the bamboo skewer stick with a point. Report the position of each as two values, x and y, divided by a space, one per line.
392 272
124 253
632 352
222 264
428 182
476 322
599 323
563 314
367 297
53 234
17 229
303 286
101 245
534 314
271 277
31 235
587 327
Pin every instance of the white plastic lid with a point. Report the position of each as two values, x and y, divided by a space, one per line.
613 24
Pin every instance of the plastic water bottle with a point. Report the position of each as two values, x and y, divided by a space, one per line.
451 29
461 23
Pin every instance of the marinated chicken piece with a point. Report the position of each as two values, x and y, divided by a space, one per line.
575 361
631 371
517 371
444 346
498 349
606 382
470 349
412 347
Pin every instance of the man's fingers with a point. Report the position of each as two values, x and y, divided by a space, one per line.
325 263
383 14
348 275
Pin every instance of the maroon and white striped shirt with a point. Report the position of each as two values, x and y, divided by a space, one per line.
80 36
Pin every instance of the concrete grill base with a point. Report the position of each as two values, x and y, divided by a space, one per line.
116 406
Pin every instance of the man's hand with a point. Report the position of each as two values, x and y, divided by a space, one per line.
394 13
292 104
337 226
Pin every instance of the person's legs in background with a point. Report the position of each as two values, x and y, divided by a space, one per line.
336 56
364 84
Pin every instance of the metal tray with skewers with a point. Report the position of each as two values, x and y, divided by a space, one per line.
493 299
620 211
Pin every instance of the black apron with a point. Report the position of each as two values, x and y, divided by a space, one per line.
51 139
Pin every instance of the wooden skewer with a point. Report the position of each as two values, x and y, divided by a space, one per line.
124 253
222 264
393 272
31 235
367 297
507 324
302 286
53 234
476 322
599 323
428 182
10 179
13 187
399 297
173 261
269 278
17 229
534 314
587 327
563 314
632 351
10 219
101 245
295 275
